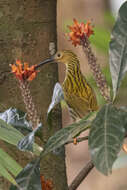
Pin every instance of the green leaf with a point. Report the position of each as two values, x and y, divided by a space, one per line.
17 119
9 133
26 144
64 135
118 49
9 163
106 137
13 136
4 172
29 177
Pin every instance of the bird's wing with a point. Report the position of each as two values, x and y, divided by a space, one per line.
78 104
90 96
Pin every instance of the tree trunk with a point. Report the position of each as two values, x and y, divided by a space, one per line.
26 30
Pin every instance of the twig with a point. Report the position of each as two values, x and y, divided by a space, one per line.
78 140
81 176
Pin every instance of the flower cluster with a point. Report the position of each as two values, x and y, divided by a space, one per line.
78 32
46 184
24 72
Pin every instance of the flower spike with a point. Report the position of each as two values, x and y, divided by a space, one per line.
24 74
79 35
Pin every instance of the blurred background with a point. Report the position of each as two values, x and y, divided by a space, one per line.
102 14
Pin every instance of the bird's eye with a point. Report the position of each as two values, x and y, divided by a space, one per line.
58 55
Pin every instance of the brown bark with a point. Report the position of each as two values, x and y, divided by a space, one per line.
26 30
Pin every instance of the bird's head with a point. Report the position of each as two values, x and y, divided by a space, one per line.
65 56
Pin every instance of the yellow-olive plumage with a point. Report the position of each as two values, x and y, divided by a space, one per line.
78 94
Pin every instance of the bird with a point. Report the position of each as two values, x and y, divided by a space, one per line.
78 94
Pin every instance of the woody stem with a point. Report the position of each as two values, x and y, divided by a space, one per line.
81 176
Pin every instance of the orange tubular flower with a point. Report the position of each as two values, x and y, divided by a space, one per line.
24 72
46 184
78 32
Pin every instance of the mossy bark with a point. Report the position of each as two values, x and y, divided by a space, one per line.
26 30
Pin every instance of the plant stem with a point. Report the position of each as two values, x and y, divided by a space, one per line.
81 176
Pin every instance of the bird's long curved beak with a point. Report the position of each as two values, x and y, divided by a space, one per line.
44 62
